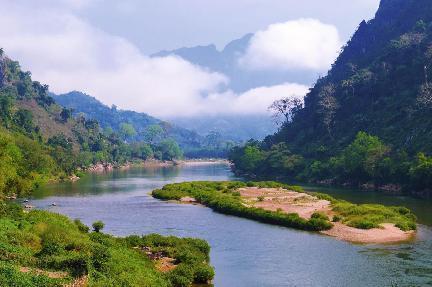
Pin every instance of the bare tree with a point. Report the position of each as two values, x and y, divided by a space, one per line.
424 99
327 106
285 109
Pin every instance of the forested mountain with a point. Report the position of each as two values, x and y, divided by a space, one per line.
370 119
113 118
41 140
136 127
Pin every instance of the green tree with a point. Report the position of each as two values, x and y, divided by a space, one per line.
170 149
24 119
360 160
98 226
127 131
153 134
6 105
421 172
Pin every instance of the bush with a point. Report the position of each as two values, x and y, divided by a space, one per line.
320 215
81 226
337 218
98 226
203 273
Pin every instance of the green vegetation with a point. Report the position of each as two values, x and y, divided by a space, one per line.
222 197
368 121
40 140
47 242
134 127
367 160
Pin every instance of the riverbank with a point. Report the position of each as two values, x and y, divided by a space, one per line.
152 163
41 248
289 206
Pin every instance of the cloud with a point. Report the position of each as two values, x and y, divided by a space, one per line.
301 44
255 101
66 52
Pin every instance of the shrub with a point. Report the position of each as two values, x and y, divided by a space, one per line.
81 226
337 218
98 226
203 273
320 215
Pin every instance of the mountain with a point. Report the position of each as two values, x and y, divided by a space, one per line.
379 84
369 120
226 61
237 128
112 118
41 140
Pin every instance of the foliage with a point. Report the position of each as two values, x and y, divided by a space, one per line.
368 120
137 127
367 216
44 241
220 196
98 226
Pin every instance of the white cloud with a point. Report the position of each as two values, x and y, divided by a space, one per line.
255 101
67 53
301 44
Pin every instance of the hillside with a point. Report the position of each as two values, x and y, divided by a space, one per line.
369 120
41 140
379 84
113 118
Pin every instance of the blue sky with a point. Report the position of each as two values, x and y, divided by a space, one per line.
101 47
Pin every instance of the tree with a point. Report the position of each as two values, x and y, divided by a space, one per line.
170 149
6 105
24 119
284 110
127 131
360 161
98 226
66 114
213 139
421 172
153 133
327 106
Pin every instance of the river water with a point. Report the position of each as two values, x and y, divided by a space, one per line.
244 253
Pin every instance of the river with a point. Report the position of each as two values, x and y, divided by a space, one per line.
244 253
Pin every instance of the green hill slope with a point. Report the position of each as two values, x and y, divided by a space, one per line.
380 85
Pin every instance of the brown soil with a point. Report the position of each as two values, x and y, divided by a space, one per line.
78 282
50 274
165 264
305 205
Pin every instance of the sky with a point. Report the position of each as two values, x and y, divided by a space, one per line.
101 47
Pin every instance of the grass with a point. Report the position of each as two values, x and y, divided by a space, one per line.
223 197
50 242
367 216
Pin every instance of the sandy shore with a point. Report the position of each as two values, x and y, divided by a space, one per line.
305 205
198 162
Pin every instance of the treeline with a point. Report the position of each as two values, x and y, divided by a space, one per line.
40 140
366 162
